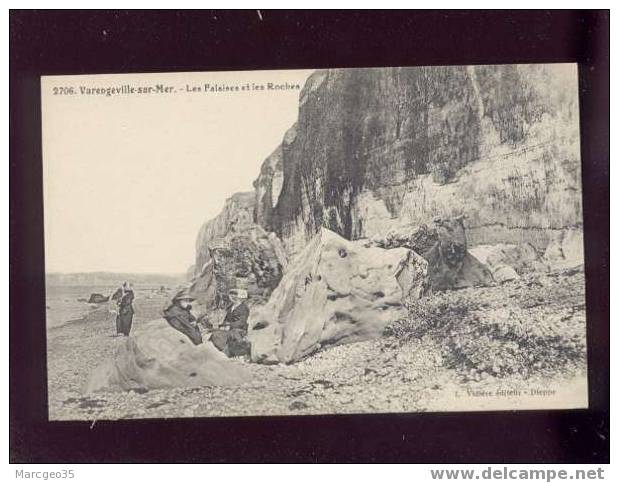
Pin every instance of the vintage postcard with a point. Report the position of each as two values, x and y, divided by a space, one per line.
398 239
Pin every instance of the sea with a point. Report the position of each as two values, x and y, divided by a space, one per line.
65 303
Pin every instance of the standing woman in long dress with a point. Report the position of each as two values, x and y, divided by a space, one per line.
124 319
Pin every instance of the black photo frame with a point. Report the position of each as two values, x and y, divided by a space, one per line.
46 42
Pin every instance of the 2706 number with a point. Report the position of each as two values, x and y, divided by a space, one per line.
63 91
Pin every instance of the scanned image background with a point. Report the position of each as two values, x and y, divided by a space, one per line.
303 242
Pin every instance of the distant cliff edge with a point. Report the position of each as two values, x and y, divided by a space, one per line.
93 279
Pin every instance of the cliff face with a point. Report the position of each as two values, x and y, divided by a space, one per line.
234 252
236 217
380 149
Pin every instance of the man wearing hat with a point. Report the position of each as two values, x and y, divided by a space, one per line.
179 316
231 338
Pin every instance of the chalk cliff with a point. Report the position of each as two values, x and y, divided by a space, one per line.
380 149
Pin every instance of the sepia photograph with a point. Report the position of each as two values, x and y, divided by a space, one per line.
310 242
369 236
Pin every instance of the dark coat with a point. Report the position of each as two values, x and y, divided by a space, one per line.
124 319
118 294
237 318
183 321
233 342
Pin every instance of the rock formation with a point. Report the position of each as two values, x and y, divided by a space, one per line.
376 151
335 291
444 247
97 298
236 217
190 273
247 260
157 356
508 261
566 249
234 252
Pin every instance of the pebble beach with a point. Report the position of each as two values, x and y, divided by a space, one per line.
390 374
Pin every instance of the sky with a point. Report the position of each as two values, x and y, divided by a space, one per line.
129 178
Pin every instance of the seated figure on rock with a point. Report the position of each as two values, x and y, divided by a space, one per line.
179 316
231 336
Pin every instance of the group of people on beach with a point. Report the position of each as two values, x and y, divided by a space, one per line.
230 336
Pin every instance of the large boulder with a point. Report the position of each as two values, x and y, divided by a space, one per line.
444 246
420 238
473 273
335 291
509 261
252 260
97 298
157 356
446 256
566 249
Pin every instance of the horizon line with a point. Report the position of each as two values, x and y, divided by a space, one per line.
113 272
